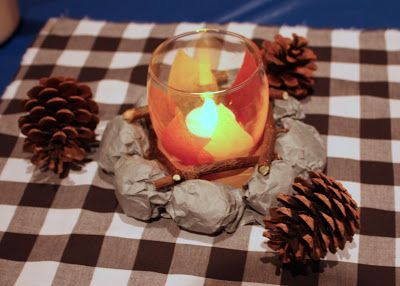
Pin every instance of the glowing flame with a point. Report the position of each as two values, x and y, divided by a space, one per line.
217 122
202 121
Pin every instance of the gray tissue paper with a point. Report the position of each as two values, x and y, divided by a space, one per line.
121 138
263 190
135 193
206 207
288 108
199 205
302 146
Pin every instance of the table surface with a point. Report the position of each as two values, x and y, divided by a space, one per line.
72 231
314 13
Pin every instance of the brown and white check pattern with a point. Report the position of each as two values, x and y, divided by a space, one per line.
72 232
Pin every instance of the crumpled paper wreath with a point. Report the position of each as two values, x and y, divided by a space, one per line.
199 205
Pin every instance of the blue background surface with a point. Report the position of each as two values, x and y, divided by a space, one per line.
314 13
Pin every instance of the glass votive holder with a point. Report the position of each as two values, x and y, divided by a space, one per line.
208 96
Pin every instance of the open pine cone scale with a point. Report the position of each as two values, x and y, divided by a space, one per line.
321 217
60 124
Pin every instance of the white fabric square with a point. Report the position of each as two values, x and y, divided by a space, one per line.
345 106
397 262
244 29
89 28
17 170
126 227
45 30
186 237
29 55
346 39
73 58
397 205
287 31
7 213
125 59
110 276
187 27
82 177
343 147
187 280
60 221
394 108
354 190
392 38
394 73
111 91
169 57
349 254
11 89
101 127
257 242
137 31
345 71
37 273
396 151
230 61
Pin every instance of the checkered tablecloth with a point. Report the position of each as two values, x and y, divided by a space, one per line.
72 231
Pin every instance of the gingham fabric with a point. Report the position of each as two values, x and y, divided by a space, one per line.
72 231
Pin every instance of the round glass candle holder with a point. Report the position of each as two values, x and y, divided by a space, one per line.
208 96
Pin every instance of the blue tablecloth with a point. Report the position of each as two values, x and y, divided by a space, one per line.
314 13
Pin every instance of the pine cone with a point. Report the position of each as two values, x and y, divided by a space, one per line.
322 216
290 65
60 124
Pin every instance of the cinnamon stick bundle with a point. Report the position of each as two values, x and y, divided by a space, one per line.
197 172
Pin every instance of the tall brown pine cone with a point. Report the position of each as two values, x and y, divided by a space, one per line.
290 65
60 124
322 216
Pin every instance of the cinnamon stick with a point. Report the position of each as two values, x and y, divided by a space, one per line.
221 77
281 130
225 165
267 145
135 113
157 154
282 95
163 160
267 154
196 172
164 182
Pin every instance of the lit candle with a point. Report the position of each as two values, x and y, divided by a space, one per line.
202 120
217 122
208 132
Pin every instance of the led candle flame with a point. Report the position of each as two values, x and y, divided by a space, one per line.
202 121
217 122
